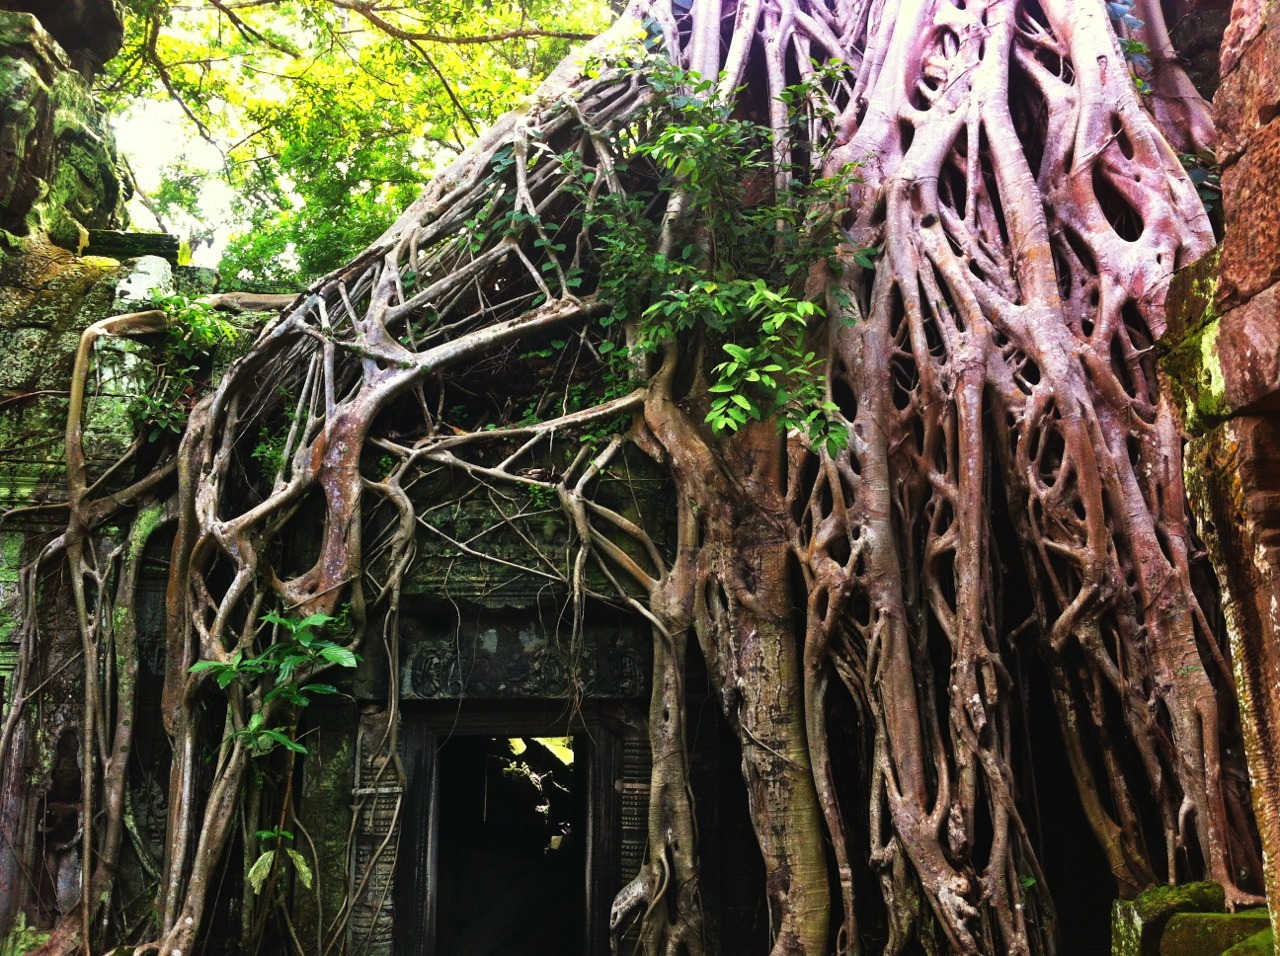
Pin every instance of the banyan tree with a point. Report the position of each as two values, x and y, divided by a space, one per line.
877 288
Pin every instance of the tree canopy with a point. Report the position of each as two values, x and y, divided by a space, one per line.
329 116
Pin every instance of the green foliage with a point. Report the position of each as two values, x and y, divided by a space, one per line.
1204 171
284 668
262 866
196 328
772 377
329 118
1136 52
738 278
541 498
194 334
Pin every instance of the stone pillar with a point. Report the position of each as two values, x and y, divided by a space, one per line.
1223 364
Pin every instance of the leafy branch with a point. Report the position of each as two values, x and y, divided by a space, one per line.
285 666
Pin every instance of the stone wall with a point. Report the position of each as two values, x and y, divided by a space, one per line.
60 174
89 31
1223 363
48 296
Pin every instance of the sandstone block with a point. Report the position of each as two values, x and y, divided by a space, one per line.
1138 924
1251 249
1247 20
1259 944
1208 934
1249 97
1191 296
1248 351
90 31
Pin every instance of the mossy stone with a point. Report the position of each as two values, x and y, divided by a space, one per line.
1138 924
1210 934
1259 944
128 245
1188 347
60 172
21 938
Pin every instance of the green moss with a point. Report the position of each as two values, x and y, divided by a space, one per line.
1137 924
1195 377
1189 346
144 526
1259 944
56 138
21 939
1209 934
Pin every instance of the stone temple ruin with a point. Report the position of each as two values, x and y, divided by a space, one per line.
482 672
510 801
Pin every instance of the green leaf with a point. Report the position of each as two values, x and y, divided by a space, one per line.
261 868
284 741
340 656
300 865
315 620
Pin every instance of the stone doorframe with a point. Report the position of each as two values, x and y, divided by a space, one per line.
424 725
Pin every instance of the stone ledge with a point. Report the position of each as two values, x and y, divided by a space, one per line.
1248 346
1259 944
117 244
1220 366
1210 934
1247 21
90 31
1137 925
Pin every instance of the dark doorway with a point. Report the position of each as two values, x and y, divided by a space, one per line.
511 828
512 847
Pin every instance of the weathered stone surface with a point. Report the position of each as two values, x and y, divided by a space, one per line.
483 657
1251 246
149 278
47 298
1189 355
195 281
1208 934
1248 351
328 776
1259 944
502 579
1189 303
1138 924
1246 23
128 245
1234 487
1249 96
59 171
90 31
1231 471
